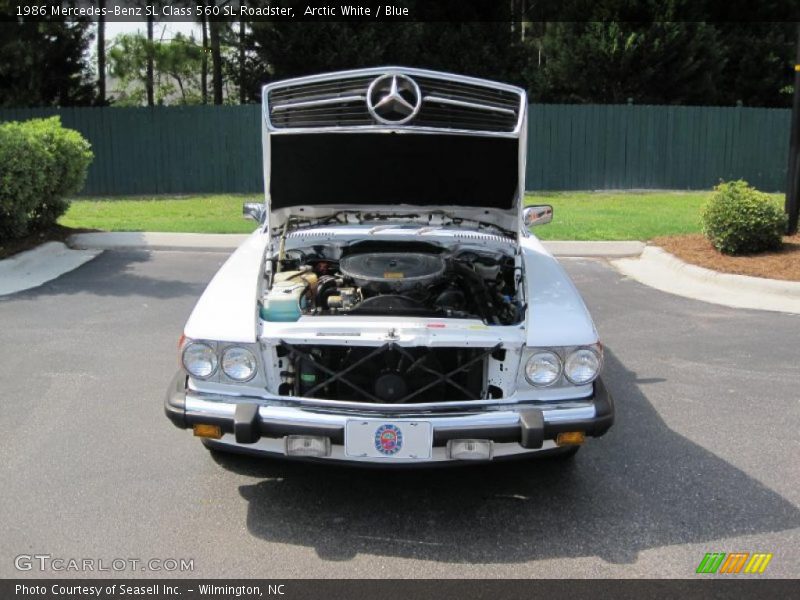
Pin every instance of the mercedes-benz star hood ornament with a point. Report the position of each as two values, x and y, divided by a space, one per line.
393 99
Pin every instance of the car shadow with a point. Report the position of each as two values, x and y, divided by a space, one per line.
641 486
122 273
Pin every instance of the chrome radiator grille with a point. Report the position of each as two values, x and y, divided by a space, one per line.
454 105
439 102
323 104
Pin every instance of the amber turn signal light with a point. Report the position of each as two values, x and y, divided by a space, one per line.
207 431
570 438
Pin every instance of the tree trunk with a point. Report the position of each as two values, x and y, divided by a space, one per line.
101 55
149 82
204 58
216 61
180 85
793 183
242 90
517 27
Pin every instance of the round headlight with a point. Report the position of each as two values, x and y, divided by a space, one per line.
543 368
238 363
582 366
199 360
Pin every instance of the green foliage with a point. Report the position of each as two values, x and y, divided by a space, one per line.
483 44
738 219
41 163
757 63
24 162
653 51
609 62
660 52
176 66
44 62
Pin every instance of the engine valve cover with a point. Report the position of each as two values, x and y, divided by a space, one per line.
395 271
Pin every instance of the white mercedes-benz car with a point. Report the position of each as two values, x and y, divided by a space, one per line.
392 306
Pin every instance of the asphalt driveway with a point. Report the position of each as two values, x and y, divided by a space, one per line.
703 457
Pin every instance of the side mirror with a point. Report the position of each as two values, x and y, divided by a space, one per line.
254 210
539 214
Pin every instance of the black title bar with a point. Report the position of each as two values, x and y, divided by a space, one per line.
710 588
399 10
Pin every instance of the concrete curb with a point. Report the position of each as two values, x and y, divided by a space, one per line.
135 240
598 249
661 270
223 242
39 265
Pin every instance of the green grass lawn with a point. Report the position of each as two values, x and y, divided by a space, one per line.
199 214
578 215
619 215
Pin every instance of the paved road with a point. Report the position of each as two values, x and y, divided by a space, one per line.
704 455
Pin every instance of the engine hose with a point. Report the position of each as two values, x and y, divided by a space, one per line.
476 286
325 287
282 246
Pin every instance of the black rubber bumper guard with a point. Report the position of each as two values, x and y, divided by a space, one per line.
530 432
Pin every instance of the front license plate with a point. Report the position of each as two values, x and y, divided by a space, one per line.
371 438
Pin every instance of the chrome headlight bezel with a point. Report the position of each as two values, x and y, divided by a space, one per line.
540 353
212 359
564 353
585 351
249 353
219 378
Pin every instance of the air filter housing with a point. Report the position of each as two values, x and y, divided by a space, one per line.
396 272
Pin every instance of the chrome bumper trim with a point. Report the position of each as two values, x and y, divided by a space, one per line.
260 425
289 415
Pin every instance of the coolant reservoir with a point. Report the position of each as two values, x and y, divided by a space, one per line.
286 298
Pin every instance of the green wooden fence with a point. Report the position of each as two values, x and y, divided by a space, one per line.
204 149
578 147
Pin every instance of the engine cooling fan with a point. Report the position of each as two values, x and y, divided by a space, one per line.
397 375
388 374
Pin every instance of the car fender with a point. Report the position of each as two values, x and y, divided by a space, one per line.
227 310
556 315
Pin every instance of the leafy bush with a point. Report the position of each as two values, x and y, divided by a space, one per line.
738 219
41 163
24 162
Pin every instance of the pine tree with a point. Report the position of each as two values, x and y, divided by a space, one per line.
44 63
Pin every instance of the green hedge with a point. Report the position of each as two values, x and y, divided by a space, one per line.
41 163
739 219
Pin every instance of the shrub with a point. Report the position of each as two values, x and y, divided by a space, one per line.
24 163
738 219
41 163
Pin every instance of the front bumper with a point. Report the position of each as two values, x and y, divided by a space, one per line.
260 425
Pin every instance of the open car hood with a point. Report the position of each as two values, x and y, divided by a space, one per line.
460 150
375 172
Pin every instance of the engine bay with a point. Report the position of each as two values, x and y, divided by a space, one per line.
400 278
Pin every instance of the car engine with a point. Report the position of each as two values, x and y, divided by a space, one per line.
398 279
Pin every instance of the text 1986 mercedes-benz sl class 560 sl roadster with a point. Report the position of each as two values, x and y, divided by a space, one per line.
392 306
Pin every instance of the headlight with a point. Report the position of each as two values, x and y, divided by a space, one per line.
543 368
238 363
199 360
582 366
